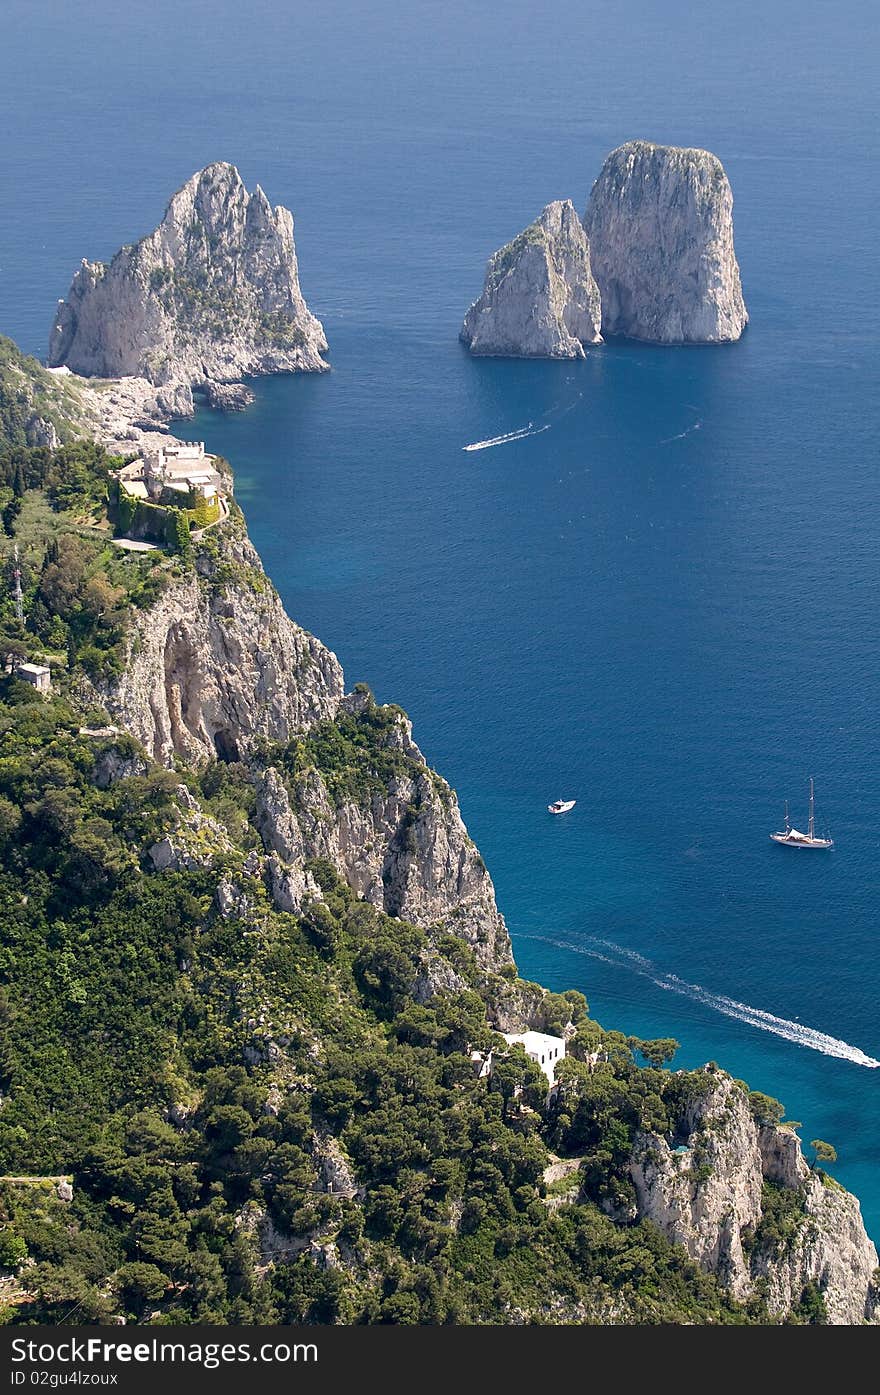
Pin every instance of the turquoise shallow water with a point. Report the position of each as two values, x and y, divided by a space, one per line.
665 603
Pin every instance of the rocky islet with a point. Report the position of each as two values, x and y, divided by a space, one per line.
211 295
540 298
653 260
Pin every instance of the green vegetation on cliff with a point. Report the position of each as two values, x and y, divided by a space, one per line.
353 753
267 1116
201 1077
36 407
78 588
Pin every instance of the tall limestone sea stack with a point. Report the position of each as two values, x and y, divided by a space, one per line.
539 299
653 260
212 294
660 226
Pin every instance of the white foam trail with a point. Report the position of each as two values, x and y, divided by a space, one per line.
681 435
519 435
522 432
637 959
767 1022
794 1032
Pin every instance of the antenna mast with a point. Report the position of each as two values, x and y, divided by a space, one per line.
16 590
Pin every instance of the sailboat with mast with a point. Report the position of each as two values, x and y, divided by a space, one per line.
792 838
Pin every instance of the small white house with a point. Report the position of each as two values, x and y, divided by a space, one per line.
482 1064
37 675
544 1050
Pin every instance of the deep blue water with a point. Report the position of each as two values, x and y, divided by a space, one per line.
666 604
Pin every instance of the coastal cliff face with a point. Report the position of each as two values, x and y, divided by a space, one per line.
711 1197
539 299
293 947
831 1248
402 846
212 294
216 669
660 226
216 665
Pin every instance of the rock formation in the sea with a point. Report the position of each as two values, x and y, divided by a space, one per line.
228 397
707 1193
539 299
660 226
213 294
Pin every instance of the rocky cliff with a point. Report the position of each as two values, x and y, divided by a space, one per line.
216 665
295 951
37 407
660 226
539 299
707 1190
212 294
216 669
401 845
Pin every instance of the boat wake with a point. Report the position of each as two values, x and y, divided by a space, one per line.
681 435
519 435
767 1022
617 956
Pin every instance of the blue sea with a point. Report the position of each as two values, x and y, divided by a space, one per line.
662 599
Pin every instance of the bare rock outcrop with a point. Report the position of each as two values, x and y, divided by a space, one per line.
228 397
405 850
212 295
660 225
705 1197
334 1166
216 665
195 841
705 1193
832 1251
539 299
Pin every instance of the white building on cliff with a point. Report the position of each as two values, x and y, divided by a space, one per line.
181 466
544 1050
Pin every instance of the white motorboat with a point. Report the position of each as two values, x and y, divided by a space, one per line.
561 806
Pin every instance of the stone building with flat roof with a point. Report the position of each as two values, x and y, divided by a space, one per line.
38 675
181 466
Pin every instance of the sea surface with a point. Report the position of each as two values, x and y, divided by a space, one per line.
655 587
